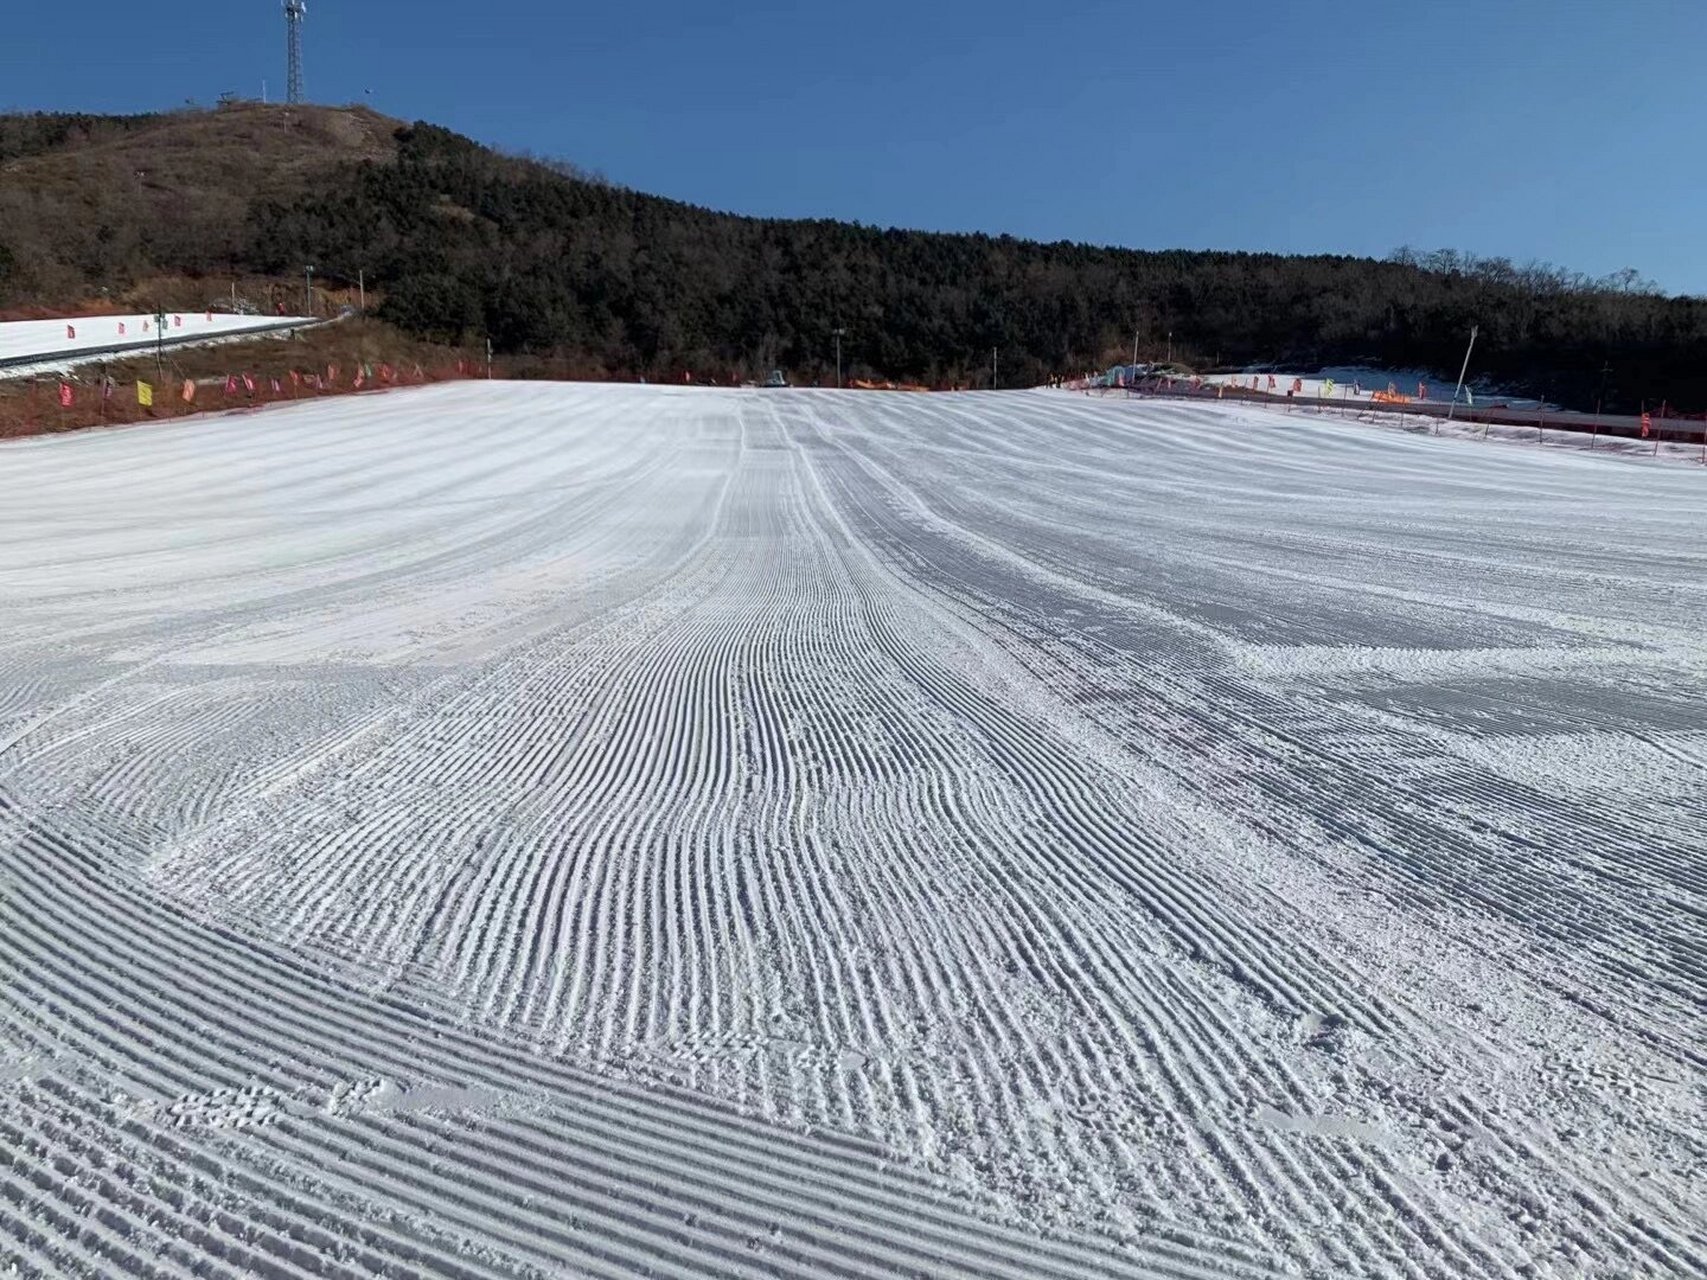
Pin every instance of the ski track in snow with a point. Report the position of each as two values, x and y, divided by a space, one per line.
504 830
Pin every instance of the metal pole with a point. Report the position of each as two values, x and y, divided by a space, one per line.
308 290
488 357
1170 346
1451 408
995 368
1599 400
839 332
361 284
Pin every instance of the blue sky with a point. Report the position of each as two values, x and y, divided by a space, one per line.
1565 130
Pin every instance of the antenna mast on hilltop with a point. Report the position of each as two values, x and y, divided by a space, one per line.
295 11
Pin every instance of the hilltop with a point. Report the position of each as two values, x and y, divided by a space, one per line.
466 243
96 202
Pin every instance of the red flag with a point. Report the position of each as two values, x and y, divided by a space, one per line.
189 392
177 322
65 395
332 374
121 328
107 385
1422 391
1297 386
1271 382
357 384
230 384
277 390
1647 423
145 326
248 384
295 378
70 331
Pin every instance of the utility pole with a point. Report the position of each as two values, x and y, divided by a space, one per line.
1135 352
361 284
308 289
160 344
838 332
1170 346
1453 407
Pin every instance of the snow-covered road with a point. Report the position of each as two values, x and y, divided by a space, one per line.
510 830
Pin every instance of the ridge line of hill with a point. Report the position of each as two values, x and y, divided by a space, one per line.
465 243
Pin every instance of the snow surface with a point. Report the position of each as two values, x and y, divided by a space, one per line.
517 830
1362 382
23 339
1350 382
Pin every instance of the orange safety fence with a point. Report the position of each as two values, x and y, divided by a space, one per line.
865 384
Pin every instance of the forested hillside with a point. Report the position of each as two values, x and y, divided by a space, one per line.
465 242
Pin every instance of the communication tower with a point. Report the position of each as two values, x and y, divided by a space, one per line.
295 11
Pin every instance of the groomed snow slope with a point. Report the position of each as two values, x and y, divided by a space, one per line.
533 830
47 342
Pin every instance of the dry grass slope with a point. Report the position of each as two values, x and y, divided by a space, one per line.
107 206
